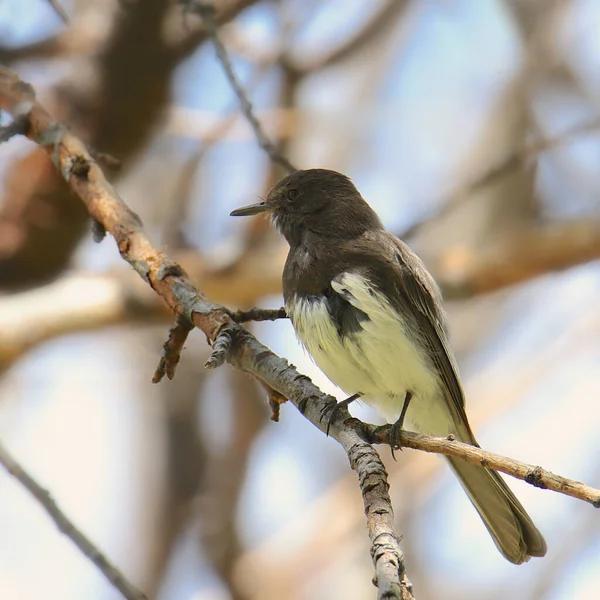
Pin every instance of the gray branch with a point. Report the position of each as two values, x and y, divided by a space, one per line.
66 526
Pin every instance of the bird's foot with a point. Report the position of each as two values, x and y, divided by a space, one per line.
334 413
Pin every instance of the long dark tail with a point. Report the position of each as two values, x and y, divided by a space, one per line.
510 526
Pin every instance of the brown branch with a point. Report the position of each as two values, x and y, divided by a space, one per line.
534 475
207 12
242 350
382 19
465 272
59 10
66 526
58 45
78 302
224 480
246 352
172 349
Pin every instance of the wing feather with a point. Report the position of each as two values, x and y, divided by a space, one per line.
414 294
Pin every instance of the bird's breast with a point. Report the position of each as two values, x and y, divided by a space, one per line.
362 344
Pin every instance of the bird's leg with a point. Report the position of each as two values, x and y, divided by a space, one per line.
335 411
396 428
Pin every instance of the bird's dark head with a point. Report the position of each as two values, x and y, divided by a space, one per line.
316 201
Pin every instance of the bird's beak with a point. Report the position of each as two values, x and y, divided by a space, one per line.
251 209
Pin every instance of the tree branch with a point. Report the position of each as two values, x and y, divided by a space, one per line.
534 475
207 12
387 15
246 353
463 272
172 349
505 167
66 526
59 10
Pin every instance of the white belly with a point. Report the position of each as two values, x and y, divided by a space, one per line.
380 361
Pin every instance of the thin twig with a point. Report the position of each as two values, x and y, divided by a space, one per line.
172 349
505 167
178 205
59 10
386 16
220 347
275 400
207 12
66 526
534 475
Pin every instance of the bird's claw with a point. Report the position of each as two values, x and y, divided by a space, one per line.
336 409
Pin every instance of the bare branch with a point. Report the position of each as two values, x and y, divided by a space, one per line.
183 192
464 272
534 475
244 352
183 45
66 526
387 15
59 10
79 303
207 12
504 168
172 349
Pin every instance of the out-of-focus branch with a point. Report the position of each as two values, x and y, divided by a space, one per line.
59 10
207 12
66 526
246 353
77 303
384 17
57 45
178 205
227 10
509 165
463 272
74 303
224 479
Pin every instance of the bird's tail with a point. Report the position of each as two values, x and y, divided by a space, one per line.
510 526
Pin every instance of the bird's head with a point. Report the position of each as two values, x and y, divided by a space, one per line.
319 201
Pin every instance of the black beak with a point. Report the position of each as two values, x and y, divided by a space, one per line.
251 209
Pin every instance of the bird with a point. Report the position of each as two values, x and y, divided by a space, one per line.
371 316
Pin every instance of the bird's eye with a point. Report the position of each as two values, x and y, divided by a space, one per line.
292 195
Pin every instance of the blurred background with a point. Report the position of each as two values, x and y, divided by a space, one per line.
471 126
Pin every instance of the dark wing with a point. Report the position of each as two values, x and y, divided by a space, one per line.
414 294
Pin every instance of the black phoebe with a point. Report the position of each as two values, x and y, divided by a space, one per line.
371 316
